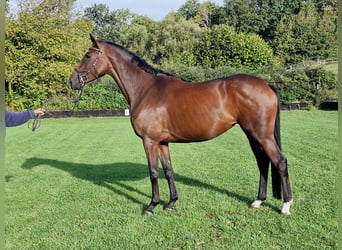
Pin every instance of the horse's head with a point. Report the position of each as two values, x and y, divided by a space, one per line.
91 67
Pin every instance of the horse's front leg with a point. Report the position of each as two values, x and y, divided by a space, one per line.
152 152
168 170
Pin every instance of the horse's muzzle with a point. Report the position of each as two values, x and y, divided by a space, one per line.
74 82
74 86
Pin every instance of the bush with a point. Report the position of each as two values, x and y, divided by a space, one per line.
324 84
222 46
187 73
102 94
313 85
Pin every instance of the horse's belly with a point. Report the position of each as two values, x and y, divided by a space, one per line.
200 129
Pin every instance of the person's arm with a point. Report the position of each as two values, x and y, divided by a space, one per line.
17 118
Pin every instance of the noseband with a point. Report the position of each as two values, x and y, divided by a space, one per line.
83 77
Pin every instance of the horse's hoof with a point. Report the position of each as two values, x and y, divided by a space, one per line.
286 208
285 213
148 212
256 204
169 208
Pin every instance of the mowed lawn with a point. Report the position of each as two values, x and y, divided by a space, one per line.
83 184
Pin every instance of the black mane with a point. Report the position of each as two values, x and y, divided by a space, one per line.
141 63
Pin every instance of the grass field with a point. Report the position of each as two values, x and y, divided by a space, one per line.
333 67
83 184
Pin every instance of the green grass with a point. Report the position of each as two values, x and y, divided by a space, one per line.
333 67
83 184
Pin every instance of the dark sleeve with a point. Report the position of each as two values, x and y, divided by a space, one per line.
17 118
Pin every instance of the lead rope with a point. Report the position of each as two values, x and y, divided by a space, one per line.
78 98
37 118
80 92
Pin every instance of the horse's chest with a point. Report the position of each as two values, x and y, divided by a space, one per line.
150 123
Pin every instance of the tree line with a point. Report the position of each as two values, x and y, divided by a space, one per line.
46 38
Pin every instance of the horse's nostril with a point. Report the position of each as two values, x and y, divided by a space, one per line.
72 85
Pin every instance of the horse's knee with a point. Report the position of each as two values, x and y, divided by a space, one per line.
168 173
282 165
154 174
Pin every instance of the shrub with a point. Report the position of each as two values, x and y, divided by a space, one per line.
222 46
313 85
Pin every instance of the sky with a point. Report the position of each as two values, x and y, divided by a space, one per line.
154 9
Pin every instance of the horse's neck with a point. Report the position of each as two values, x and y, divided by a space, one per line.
132 80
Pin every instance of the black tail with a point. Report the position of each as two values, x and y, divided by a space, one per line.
276 181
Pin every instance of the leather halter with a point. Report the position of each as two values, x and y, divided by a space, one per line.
83 76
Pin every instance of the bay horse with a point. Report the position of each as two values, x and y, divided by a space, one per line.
165 109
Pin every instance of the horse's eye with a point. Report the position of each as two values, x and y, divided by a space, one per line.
87 56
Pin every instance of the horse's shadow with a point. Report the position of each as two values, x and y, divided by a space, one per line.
115 175
111 176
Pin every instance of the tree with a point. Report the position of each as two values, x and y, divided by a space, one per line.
122 27
209 14
42 44
109 25
306 36
259 16
137 35
189 9
222 46
206 14
173 35
327 6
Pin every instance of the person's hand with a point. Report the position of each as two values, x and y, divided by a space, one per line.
39 112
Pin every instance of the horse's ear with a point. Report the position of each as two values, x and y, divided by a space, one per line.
94 41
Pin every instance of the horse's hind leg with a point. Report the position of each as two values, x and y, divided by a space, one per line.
280 163
263 162
168 170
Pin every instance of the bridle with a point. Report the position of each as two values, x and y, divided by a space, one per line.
83 76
